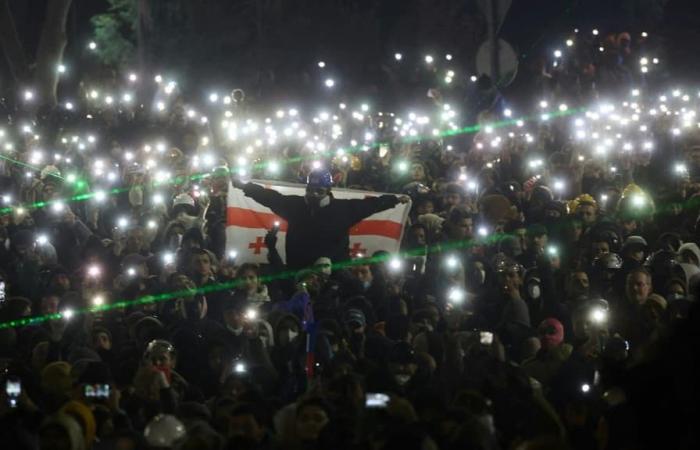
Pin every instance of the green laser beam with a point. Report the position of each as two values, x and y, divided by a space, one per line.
23 164
262 165
287 274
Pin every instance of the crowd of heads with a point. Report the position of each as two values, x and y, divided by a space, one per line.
543 295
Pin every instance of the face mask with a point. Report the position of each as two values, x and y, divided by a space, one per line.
402 379
317 202
236 331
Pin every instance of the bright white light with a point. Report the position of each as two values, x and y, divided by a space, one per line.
122 222
483 231
456 295
273 167
131 271
251 314
395 264
452 262
448 57
92 45
398 56
67 314
98 300
585 388
100 196
569 43
152 225
429 59
557 53
239 367
57 206
233 254
94 271
507 112
213 97
599 315
133 77
28 95
61 68
321 64
595 32
329 82
559 185
168 258
42 239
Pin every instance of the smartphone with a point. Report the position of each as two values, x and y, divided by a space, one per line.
376 400
486 337
13 389
97 390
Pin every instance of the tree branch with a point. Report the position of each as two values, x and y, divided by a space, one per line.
50 51
11 45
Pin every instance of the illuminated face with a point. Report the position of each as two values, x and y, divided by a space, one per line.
249 281
587 214
464 229
599 249
419 237
638 287
579 284
101 341
426 207
201 264
452 199
539 243
363 273
676 288
511 279
417 172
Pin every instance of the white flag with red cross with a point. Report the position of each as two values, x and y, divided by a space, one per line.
248 221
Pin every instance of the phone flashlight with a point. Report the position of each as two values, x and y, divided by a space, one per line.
486 338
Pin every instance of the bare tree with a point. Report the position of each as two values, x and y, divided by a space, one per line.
42 71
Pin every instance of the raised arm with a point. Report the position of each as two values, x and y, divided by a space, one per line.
362 208
266 197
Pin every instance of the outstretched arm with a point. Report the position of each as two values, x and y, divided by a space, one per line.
266 197
362 208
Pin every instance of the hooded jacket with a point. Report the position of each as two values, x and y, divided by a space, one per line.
71 427
315 232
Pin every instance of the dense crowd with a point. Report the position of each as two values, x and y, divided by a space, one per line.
543 298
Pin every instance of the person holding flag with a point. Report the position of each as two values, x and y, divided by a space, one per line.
318 224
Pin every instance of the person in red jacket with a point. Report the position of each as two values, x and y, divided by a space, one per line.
317 223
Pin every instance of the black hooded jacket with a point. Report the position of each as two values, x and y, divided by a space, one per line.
316 232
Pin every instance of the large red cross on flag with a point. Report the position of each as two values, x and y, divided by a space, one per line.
248 222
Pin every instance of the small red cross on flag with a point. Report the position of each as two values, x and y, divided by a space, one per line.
257 245
357 250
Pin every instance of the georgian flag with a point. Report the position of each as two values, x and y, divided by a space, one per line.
247 222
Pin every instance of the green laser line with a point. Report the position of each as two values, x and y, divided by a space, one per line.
23 164
262 165
287 274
